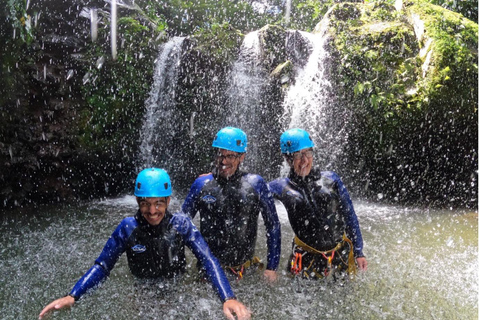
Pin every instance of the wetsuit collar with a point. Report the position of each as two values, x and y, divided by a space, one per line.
153 229
314 175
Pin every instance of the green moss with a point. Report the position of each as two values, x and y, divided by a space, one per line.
220 42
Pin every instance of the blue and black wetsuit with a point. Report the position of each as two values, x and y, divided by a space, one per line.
229 212
320 210
155 252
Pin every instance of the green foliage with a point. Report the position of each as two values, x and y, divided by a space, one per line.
468 8
18 19
306 15
219 41
184 17
115 90
16 33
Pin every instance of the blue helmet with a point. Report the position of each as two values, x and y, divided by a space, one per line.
230 138
153 183
294 140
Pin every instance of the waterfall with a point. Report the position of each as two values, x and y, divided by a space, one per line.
288 9
94 24
244 97
113 29
309 102
158 124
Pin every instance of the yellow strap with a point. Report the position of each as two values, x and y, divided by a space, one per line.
307 248
255 260
351 266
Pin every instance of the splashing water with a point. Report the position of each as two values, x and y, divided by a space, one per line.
423 264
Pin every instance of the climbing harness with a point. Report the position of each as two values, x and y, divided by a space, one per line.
300 249
239 270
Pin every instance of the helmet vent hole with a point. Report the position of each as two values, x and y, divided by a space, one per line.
166 186
139 185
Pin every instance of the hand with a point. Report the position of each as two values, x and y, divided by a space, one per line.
233 306
58 304
362 263
270 275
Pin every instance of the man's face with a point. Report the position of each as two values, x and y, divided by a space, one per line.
153 209
301 162
227 162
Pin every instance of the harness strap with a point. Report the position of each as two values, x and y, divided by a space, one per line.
329 254
239 270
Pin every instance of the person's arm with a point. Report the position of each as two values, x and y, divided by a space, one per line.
189 205
272 225
353 227
111 252
194 240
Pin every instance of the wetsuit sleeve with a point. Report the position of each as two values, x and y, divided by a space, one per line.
189 206
275 188
353 227
194 240
111 252
272 224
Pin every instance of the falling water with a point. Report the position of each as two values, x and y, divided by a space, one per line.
246 83
245 107
308 103
159 105
288 9
113 35
94 24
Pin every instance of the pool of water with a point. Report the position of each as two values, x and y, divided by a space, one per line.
423 264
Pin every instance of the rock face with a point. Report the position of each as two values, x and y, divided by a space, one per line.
410 80
64 105
403 95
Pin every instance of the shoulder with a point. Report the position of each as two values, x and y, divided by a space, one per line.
126 227
277 185
330 178
202 180
253 179
256 181
330 175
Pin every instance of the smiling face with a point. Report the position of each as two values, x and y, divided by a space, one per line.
301 162
227 162
153 209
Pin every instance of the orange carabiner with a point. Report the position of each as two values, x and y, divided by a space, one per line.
297 263
329 262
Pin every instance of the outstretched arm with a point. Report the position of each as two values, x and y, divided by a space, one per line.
194 240
112 250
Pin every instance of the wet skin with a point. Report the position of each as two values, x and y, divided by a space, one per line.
227 162
153 209
302 162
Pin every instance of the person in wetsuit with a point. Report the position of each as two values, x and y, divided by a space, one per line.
320 211
229 202
154 240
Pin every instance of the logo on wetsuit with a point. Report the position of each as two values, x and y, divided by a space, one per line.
139 248
209 199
